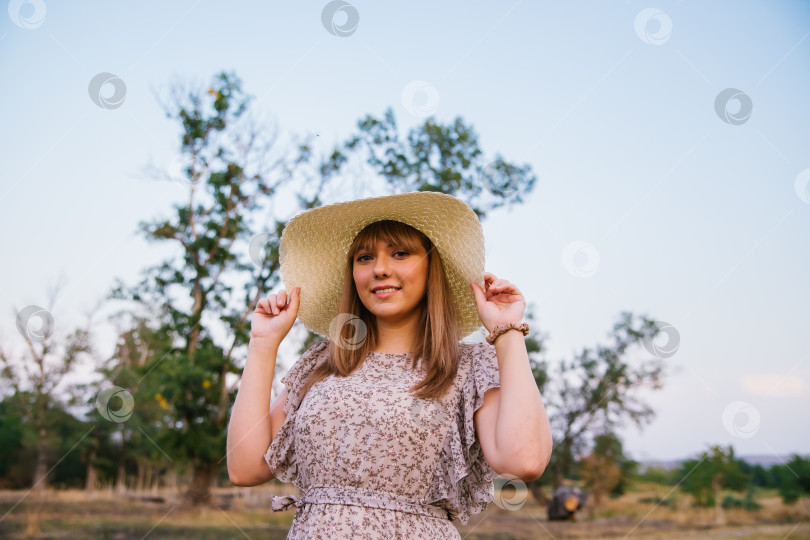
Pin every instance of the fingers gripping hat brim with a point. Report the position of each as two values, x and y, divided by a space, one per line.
315 243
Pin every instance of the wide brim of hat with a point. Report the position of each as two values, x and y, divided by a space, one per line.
315 243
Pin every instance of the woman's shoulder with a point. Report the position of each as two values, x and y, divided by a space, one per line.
313 352
295 377
316 348
479 361
475 351
305 363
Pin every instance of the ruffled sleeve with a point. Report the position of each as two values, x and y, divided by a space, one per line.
280 456
463 480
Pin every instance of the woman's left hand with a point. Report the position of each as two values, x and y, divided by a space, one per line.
500 303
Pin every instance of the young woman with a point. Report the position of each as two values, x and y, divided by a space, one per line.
392 427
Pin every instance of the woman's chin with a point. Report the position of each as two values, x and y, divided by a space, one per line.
388 312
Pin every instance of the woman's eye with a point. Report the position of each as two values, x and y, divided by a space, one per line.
361 258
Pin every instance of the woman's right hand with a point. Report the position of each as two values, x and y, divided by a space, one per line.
274 317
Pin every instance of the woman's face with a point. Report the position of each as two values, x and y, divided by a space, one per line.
388 265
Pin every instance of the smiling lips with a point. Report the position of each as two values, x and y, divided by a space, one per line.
385 292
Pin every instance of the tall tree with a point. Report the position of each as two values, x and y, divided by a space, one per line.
216 280
597 391
443 158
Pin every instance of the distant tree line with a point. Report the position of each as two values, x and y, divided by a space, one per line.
791 479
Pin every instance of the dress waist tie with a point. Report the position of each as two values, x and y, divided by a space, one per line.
358 497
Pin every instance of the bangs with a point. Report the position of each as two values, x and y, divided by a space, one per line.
394 233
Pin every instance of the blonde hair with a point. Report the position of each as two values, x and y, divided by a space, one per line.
438 346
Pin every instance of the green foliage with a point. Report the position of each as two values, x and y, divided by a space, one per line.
68 468
716 469
760 476
442 158
746 503
792 479
629 468
659 475
20 444
36 415
16 463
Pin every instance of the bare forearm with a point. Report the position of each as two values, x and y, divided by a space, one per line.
522 429
249 430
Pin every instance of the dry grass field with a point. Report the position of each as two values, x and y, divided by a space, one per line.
244 513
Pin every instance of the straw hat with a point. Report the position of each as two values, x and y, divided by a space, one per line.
314 245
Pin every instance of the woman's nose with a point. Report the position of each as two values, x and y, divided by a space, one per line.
381 265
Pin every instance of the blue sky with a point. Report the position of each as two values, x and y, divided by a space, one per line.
697 222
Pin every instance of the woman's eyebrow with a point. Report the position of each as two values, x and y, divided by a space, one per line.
368 247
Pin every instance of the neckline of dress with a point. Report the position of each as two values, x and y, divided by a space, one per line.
389 353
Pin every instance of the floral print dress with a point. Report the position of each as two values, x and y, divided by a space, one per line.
371 460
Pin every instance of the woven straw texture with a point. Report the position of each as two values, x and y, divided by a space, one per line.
314 245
